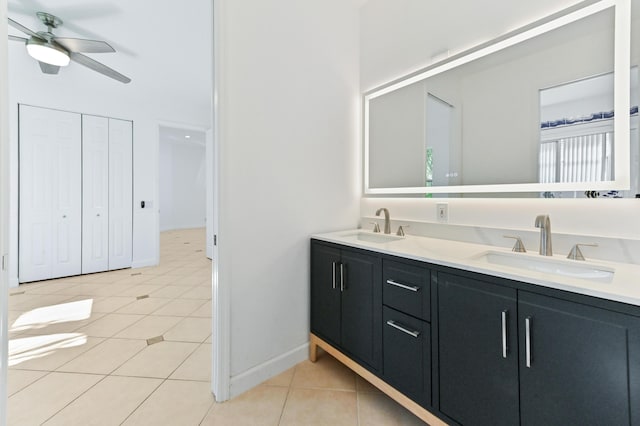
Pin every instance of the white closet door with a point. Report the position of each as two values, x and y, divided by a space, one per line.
120 193
95 194
50 194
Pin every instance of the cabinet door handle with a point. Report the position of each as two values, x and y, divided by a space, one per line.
527 341
342 286
334 275
403 286
505 345
395 325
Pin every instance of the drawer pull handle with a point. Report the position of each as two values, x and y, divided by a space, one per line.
334 275
395 325
505 346
527 342
403 286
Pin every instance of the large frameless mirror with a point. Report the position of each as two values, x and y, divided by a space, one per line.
534 111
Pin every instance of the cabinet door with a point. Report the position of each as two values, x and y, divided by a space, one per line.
95 194
50 194
120 193
362 307
407 355
577 370
325 292
478 377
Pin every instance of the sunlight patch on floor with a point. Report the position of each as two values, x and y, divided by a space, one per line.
27 348
54 314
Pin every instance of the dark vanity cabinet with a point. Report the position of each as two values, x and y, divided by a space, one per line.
474 349
346 300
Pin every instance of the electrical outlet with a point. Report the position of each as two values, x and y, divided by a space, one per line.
442 212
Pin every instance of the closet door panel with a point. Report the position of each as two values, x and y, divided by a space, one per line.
120 193
35 243
49 194
95 194
67 196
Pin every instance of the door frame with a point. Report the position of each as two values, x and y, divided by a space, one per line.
4 210
220 283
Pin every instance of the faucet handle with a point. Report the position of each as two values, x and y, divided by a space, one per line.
401 230
376 227
576 253
518 246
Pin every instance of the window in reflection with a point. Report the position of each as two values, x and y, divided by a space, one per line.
577 131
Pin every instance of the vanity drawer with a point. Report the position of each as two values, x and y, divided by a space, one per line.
407 355
407 288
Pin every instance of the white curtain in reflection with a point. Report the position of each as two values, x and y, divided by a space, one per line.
548 163
585 158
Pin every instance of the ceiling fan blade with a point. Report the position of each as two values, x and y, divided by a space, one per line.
97 66
15 38
19 26
48 68
84 45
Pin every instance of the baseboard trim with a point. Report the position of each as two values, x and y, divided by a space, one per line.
258 374
144 263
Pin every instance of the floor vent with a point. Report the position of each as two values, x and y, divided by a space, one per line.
17 293
155 340
144 296
136 273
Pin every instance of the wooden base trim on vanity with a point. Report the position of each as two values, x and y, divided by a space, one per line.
417 410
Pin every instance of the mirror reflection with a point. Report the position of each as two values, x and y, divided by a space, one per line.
538 112
577 130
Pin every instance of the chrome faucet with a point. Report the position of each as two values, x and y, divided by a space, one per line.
387 224
544 223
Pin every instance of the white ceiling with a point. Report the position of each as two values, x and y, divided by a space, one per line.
164 46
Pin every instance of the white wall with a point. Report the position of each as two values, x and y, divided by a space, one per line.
182 194
84 91
289 156
400 36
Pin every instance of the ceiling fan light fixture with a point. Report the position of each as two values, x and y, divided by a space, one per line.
47 52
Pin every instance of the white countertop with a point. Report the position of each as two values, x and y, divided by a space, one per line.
623 287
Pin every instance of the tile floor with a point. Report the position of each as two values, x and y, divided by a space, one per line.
79 355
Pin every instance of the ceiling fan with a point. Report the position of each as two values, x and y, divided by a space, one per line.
53 52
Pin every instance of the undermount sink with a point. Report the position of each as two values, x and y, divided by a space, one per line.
564 267
371 237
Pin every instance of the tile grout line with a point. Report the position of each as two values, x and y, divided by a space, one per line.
37 380
76 398
286 399
143 401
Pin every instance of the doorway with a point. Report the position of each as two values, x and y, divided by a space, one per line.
183 171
